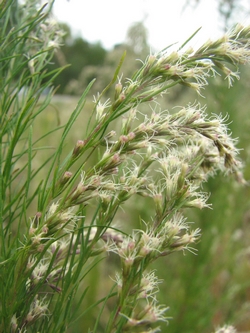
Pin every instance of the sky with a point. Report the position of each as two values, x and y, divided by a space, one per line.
167 22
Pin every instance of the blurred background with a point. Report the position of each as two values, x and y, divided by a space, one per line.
211 288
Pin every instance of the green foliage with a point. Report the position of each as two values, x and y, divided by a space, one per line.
59 213
89 61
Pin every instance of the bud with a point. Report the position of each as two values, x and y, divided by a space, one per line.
118 90
13 323
149 64
78 148
66 177
123 139
119 101
37 217
182 175
158 200
131 136
110 135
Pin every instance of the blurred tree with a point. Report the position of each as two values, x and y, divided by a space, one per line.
137 39
228 10
135 45
78 53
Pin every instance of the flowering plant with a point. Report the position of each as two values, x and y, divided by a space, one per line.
163 156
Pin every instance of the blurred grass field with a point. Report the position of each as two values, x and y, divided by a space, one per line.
210 288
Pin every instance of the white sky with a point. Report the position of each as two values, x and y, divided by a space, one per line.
107 21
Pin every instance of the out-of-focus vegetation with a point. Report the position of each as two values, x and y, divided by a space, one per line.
78 54
228 10
89 61
209 288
